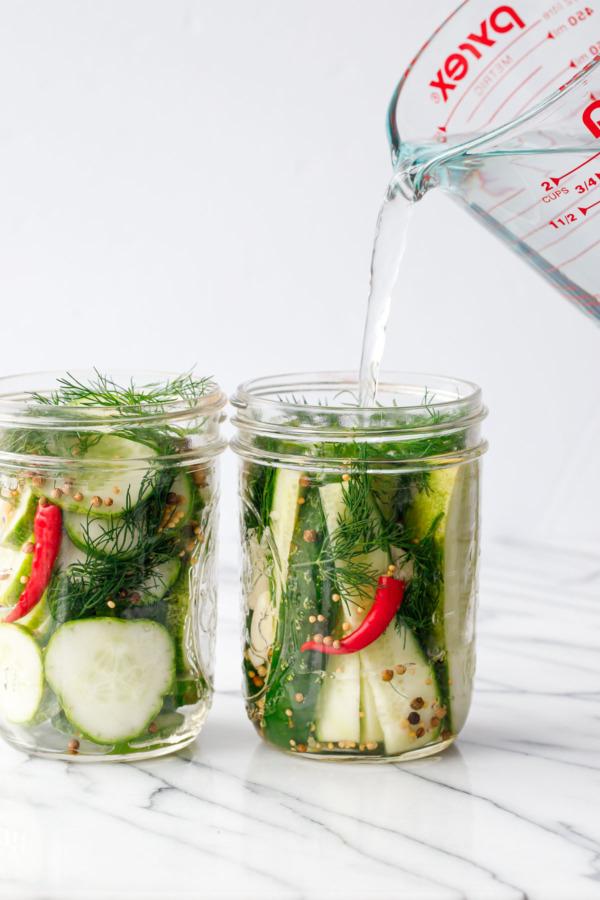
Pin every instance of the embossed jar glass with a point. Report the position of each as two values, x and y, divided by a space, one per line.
108 545
360 548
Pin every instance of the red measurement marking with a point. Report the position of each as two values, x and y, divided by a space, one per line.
512 94
585 209
573 258
542 90
506 200
560 178
567 233
522 213
489 66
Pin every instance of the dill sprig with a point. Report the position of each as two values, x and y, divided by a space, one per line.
128 551
124 403
422 593
361 530
105 391
85 588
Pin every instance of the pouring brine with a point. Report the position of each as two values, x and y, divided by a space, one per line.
501 110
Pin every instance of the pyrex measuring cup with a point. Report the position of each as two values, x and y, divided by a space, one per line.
502 109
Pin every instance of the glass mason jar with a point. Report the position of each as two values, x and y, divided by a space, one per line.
360 547
108 543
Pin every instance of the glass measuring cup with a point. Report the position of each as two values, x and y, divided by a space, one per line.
501 108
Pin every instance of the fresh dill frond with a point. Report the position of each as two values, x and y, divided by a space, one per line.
128 404
423 589
105 391
128 551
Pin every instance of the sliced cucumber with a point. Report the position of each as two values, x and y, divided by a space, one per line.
257 571
370 726
263 626
336 510
48 707
21 674
414 691
180 622
452 493
103 535
110 675
69 555
282 521
14 565
182 488
125 478
16 519
160 581
38 621
338 707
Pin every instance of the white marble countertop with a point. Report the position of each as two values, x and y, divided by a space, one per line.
511 811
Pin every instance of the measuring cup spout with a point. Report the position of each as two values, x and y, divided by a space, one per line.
501 109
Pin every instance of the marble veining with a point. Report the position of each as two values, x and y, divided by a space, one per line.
511 811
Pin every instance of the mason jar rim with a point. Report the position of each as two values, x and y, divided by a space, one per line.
17 407
21 413
270 408
256 394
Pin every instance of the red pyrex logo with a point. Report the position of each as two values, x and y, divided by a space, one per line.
589 121
456 66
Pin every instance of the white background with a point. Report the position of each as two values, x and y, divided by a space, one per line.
198 182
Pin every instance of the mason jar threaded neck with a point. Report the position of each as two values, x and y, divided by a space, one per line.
25 409
313 418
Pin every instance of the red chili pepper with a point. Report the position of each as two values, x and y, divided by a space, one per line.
386 604
47 534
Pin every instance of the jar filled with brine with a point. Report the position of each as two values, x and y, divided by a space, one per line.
360 549
108 517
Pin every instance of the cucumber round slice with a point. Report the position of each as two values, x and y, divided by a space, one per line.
21 674
110 675
102 535
35 618
178 512
16 519
14 565
158 583
126 478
